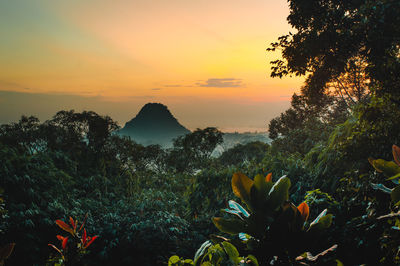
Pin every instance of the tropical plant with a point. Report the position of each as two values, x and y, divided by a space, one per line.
220 253
273 229
390 223
391 170
74 247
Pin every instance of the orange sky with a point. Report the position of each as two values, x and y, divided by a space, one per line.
201 58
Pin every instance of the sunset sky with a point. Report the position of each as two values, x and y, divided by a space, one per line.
204 59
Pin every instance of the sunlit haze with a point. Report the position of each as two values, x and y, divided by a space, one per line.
206 60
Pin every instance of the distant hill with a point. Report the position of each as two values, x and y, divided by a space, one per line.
154 124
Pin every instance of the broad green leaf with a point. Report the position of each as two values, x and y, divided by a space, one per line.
262 187
234 212
326 221
257 201
173 260
216 254
236 206
200 252
279 193
323 223
395 195
231 251
256 225
387 168
289 215
261 184
322 214
230 226
188 262
241 186
244 237
381 187
253 259
397 176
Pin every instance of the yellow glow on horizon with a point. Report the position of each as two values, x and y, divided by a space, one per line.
126 51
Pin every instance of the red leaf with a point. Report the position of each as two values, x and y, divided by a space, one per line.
91 239
84 237
84 221
6 250
71 221
304 210
64 243
61 238
59 251
65 226
268 178
396 154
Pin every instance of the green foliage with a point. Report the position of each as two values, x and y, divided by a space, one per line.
318 200
340 167
337 45
205 201
3 213
391 170
148 203
244 153
351 144
192 151
146 211
176 261
53 169
222 253
304 125
273 227
293 165
7 249
331 34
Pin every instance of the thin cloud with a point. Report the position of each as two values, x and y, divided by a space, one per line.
5 85
173 86
221 83
156 89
